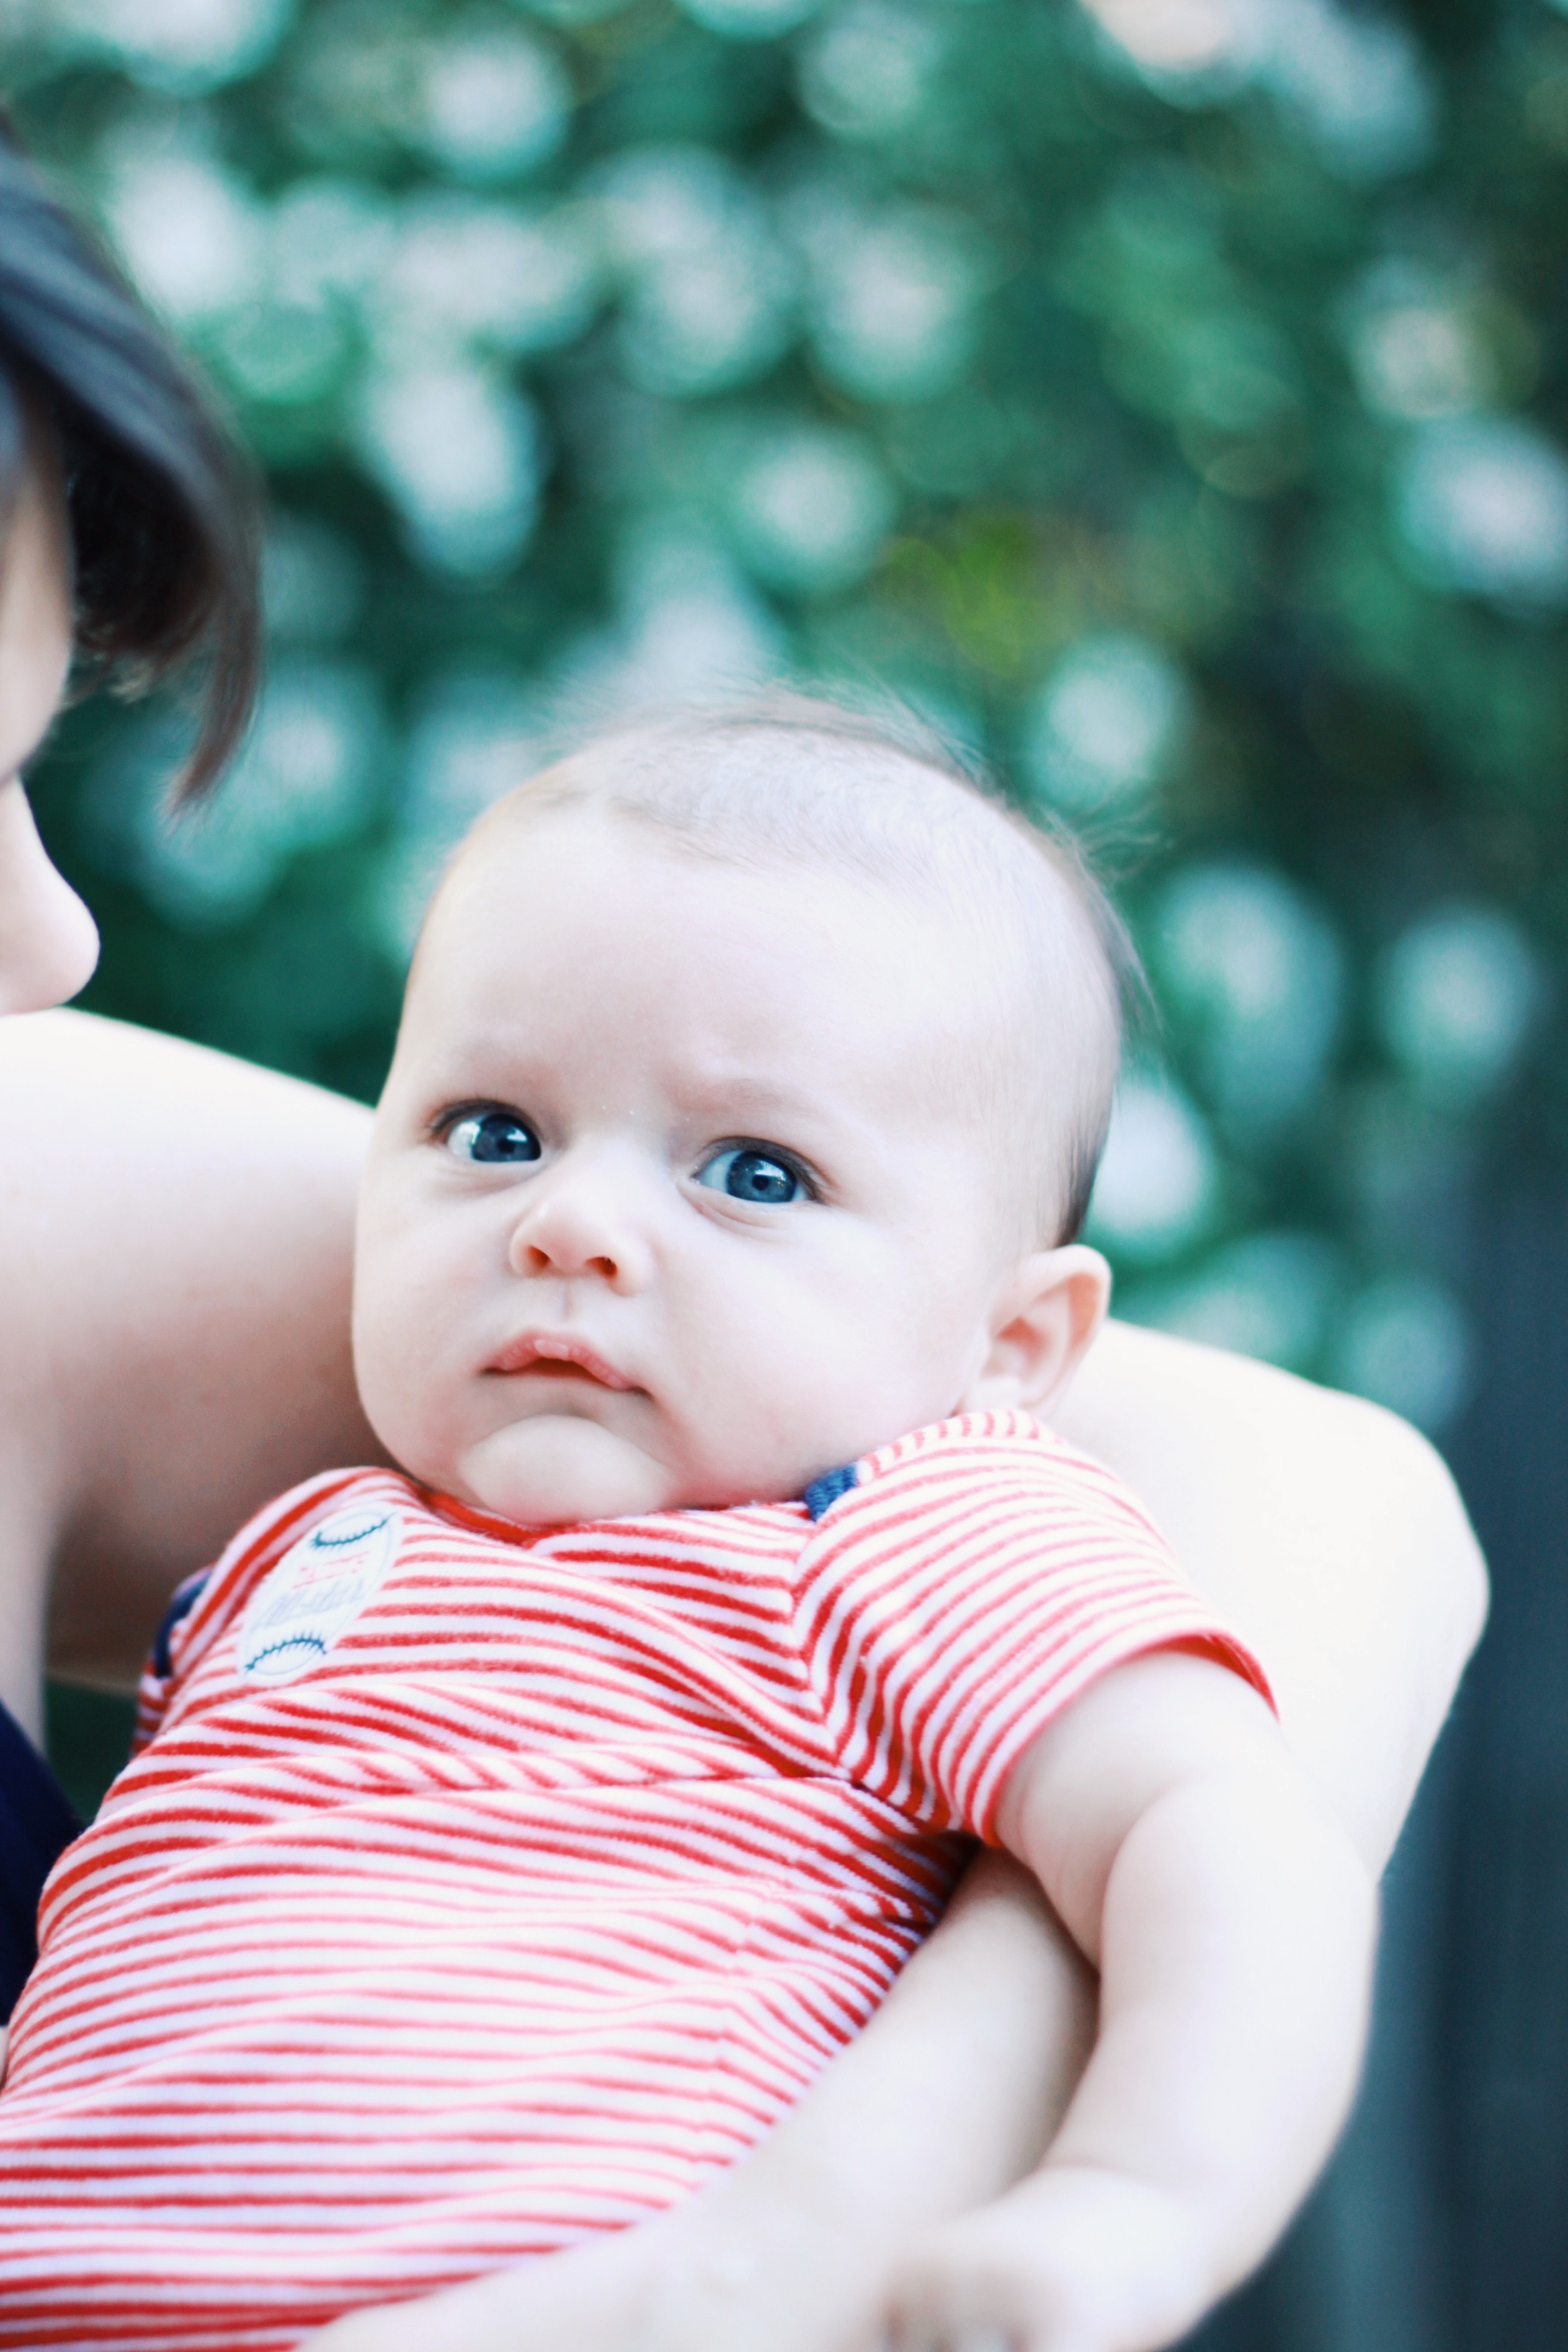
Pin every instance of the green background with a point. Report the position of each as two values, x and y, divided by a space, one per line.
1167 400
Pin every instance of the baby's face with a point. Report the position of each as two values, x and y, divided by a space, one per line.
681 1191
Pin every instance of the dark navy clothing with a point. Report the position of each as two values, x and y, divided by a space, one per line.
36 1824
185 1598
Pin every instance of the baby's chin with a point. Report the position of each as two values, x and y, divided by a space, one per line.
556 1470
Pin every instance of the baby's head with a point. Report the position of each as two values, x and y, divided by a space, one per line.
751 1077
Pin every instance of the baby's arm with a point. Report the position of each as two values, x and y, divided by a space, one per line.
1233 1925
1323 1531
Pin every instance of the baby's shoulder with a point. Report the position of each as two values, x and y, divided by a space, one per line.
973 1463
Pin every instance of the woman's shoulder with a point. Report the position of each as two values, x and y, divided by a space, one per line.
176 1243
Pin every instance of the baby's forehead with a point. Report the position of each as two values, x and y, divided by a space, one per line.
856 802
755 991
563 828
707 829
835 816
863 808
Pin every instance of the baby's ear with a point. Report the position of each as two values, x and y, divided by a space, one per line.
1046 1316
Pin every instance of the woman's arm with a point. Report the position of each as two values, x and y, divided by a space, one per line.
175 1245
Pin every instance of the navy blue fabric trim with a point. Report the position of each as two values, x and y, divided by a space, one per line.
37 1821
824 1492
185 1599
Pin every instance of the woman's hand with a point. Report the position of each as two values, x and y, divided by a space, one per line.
799 2282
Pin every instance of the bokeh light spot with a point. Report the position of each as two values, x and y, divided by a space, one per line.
1482 503
458 454
1457 997
1405 1342
1257 969
1157 1186
495 104
868 69
1107 724
812 508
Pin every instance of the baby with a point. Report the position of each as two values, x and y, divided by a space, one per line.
520 1831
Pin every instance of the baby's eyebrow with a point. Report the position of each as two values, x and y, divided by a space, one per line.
742 1092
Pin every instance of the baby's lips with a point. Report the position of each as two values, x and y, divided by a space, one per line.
561 1354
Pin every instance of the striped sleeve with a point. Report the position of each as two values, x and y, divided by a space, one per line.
975 1579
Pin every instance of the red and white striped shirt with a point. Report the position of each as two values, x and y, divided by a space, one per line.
481 1889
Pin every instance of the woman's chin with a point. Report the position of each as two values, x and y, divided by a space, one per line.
558 1469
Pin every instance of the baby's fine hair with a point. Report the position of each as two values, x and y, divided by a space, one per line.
782 776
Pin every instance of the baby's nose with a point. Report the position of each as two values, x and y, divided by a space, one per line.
554 1257
578 1225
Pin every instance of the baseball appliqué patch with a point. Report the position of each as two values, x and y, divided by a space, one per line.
315 1592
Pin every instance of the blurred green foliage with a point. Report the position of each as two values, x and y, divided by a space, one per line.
1166 395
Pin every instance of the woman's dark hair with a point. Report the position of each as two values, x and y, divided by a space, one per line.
162 509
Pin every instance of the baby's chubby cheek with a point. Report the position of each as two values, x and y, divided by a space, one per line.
778 1415
403 1395
407 1361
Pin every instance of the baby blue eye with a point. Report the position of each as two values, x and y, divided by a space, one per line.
750 1175
492 1137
